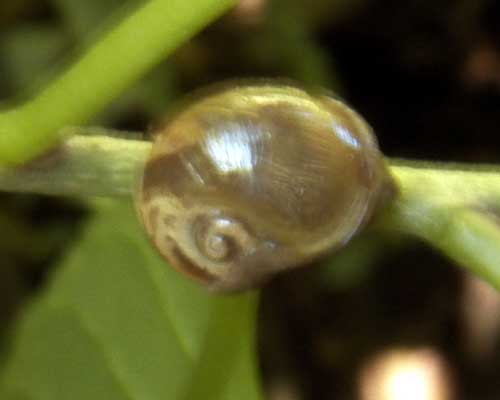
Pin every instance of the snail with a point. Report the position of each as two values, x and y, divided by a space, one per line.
253 179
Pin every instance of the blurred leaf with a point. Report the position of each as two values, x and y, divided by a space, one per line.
320 12
283 45
293 46
82 17
356 262
11 10
148 98
117 323
28 52
43 240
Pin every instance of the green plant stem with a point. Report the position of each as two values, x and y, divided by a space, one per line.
82 165
455 208
119 59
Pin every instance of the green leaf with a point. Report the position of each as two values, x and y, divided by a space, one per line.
117 323
356 262
28 53
82 17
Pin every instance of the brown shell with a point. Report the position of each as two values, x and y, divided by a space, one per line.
251 180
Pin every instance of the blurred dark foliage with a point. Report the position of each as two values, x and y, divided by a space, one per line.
411 68
425 74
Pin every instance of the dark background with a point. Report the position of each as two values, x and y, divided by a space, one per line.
425 74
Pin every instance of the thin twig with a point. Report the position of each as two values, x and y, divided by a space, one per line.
453 207
82 165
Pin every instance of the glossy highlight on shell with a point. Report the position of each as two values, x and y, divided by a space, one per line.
250 180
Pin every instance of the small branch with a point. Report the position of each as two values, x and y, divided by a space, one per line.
453 207
82 165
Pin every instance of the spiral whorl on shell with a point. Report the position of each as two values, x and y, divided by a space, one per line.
250 180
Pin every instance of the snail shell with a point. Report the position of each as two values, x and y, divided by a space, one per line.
254 179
